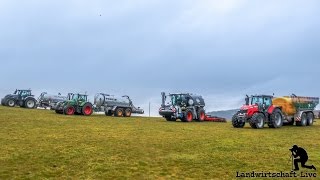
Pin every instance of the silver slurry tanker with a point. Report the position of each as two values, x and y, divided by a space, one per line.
117 106
46 100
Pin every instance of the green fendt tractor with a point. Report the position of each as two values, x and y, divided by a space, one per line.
76 104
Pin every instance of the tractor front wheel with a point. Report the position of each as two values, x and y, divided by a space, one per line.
201 115
69 110
188 116
236 123
87 109
257 121
276 120
310 119
119 112
127 112
30 103
11 103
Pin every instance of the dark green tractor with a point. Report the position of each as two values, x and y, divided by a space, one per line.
76 104
22 98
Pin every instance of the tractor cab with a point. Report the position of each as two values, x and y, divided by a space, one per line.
22 93
263 102
78 98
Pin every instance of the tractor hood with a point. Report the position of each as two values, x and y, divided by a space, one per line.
11 96
246 107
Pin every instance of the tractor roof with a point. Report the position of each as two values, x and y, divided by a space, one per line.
257 95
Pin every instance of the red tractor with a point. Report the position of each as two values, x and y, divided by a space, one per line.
258 110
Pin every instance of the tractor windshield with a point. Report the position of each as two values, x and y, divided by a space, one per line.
82 97
178 99
256 100
75 97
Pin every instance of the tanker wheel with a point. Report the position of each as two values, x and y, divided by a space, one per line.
127 112
291 122
201 115
30 103
303 121
310 119
108 113
87 109
276 119
168 118
11 103
119 112
188 116
257 121
236 123
69 110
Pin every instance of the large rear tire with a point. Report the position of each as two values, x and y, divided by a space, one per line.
303 121
188 116
87 109
127 112
119 112
11 102
236 123
30 103
310 119
276 119
201 115
69 110
257 121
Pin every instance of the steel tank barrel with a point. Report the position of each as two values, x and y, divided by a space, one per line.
99 99
53 98
104 99
291 104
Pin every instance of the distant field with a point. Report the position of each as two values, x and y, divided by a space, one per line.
39 144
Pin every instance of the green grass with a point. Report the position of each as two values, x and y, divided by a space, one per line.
39 144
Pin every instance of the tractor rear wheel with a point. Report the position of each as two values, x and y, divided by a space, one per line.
30 103
11 103
236 123
310 119
87 109
201 115
257 121
303 121
276 119
69 110
127 112
119 112
188 116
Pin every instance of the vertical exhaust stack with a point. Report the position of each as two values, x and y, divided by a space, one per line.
163 95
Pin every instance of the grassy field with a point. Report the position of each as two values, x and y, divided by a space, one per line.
39 144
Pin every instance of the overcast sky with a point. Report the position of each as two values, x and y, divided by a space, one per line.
219 49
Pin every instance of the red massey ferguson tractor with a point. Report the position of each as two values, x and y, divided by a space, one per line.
258 110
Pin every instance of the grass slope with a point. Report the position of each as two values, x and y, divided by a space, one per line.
38 144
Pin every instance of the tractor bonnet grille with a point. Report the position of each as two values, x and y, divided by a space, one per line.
243 111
